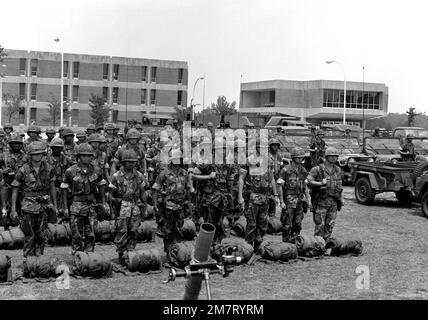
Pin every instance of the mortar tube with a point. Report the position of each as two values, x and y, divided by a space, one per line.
201 254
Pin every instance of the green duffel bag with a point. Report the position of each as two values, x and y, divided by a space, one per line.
40 267
180 254
105 231
278 251
340 246
57 234
91 264
238 246
147 231
188 230
5 268
310 246
274 225
239 226
143 260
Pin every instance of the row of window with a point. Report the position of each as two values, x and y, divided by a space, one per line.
350 123
354 99
106 70
115 94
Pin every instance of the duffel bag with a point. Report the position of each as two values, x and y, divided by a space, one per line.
340 246
91 264
239 226
278 251
5 271
274 225
188 230
180 253
143 260
238 246
40 267
310 246
147 231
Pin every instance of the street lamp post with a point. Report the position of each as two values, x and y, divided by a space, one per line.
193 96
61 113
1 94
344 88
203 104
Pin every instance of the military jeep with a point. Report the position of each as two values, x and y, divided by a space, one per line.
421 189
378 177
383 149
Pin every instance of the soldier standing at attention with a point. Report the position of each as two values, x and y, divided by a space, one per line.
83 180
69 146
275 164
34 135
257 187
127 185
408 149
36 180
111 141
326 182
317 148
173 184
81 137
90 129
8 129
294 195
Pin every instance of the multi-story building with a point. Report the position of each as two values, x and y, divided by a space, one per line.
318 102
134 88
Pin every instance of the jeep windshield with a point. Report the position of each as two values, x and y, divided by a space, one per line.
343 145
421 146
383 145
290 142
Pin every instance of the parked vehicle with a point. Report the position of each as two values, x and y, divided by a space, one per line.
350 152
421 148
288 142
377 177
383 149
421 191
402 132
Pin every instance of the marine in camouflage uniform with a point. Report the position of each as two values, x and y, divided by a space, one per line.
275 165
90 129
408 149
254 190
216 200
59 163
127 185
112 142
326 182
83 180
69 146
317 148
11 160
294 196
3 143
8 130
173 185
36 180
34 135
50 134
81 137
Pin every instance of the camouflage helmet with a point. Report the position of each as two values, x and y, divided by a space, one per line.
109 126
80 133
61 128
210 124
133 134
273 141
129 155
169 122
84 149
36 147
138 126
91 126
57 142
319 133
297 153
35 129
67 132
50 130
2 132
410 136
331 152
8 126
99 127
94 137
15 138
102 138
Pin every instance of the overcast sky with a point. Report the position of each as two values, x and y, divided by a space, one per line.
223 39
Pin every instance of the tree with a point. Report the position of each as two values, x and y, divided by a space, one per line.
411 116
54 108
100 110
14 103
181 113
223 107
2 54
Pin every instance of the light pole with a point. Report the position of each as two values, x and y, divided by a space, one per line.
344 88
1 94
203 103
61 112
364 125
193 96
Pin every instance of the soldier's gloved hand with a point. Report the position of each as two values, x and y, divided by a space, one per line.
4 212
192 190
13 215
212 175
241 202
106 208
66 214
277 202
324 181
283 205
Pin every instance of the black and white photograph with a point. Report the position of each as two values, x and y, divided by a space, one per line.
233 151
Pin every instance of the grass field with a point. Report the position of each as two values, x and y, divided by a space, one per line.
394 239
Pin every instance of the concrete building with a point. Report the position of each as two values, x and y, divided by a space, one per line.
133 87
318 101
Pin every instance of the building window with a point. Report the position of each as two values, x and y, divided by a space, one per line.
34 67
143 96
179 98
33 91
152 96
153 74
115 72
33 114
180 75
65 69
22 115
65 92
106 70
75 116
354 99
105 93
22 66
75 93
272 97
115 94
76 65
22 91
115 115
144 73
